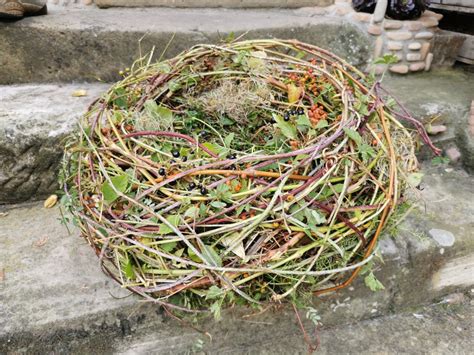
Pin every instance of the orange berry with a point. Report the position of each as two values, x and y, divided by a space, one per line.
238 187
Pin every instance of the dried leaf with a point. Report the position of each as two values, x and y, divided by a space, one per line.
238 249
3 214
79 93
40 242
51 201
294 93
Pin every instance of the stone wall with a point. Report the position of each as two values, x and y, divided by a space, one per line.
410 41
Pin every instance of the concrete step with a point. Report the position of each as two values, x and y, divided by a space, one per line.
88 43
55 298
35 118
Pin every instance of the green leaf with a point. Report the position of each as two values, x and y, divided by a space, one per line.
211 256
288 130
303 120
230 37
163 67
160 113
174 86
354 135
167 247
173 220
214 292
228 139
386 59
226 121
440 160
128 269
120 100
191 212
193 256
202 210
414 179
314 217
218 204
366 151
120 182
213 147
216 310
322 124
372 282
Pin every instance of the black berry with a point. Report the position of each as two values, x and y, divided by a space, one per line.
191 186
286 117
293 112
203 191
184 159
231 156
162 171
300 111
175 153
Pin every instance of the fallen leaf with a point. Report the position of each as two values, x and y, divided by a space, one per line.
79 93
238 248
40 242
51 201
3 214
294 93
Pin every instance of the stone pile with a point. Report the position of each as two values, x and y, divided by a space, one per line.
411 42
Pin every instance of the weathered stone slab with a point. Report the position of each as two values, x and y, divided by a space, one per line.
446 47
55 298
33 121
86 44
446 94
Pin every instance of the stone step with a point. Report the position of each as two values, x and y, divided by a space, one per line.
34 119
56 299
430 329
88 43
213 3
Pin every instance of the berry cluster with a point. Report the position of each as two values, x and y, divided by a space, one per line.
316 113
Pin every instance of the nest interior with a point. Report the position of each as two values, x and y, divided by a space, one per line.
243 172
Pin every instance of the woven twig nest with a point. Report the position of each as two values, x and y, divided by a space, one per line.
248 171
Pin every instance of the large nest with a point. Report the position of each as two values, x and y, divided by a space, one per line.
247 171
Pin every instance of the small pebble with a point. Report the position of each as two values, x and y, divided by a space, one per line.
436 129
453 154
443 237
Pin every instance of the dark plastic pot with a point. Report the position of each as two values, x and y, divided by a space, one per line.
396 9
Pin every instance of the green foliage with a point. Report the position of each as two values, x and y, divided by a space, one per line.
440 160
386 59
312 315
372 282
286 128
119 182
